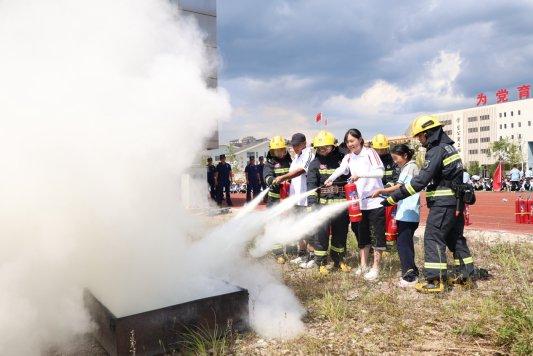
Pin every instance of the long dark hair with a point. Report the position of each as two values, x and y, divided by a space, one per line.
355 133
403 150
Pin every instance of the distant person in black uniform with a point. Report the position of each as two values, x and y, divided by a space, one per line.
211 178
223 178
260 168
253 182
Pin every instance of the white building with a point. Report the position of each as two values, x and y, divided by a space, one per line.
474 129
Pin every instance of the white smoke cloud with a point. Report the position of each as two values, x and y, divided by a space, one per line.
103 105
435 86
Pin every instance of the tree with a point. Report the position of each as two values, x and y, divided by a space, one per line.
474 168
507 151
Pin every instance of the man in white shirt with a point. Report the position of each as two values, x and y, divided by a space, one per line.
298 176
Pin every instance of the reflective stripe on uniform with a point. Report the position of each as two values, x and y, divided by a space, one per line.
466 261
435 265
314 193
391 201
321 253
326 171
273 195
281 170
355 215
451 159
388 173
440 193
410 188
277 246
337 249
331 201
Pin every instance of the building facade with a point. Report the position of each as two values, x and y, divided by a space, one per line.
474 129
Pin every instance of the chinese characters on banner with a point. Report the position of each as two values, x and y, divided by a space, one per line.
502 95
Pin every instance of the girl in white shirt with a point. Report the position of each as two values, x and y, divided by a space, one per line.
366 170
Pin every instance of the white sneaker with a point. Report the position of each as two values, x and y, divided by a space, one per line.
360 270
405 284
309 264
298 260
372 274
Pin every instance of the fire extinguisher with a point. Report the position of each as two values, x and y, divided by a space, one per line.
529 211
466 214
523 211
517 210
284 190
354 211
391 232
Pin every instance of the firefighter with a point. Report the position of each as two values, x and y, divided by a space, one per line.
392 172
277 164
442 174
327 159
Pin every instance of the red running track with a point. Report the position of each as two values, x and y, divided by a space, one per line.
493 211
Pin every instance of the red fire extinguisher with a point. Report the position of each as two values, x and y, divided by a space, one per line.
284 190
354 211
466 214
529 211
523 211
517 210
391 232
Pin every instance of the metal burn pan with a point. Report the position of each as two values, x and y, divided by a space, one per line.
156 331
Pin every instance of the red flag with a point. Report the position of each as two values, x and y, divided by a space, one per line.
318 117
497 178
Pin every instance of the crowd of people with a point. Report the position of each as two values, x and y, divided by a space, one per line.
383 177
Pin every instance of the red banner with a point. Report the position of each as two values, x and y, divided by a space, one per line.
497 178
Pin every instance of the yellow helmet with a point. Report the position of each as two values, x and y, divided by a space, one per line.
324 138
380 142
424 123
277 142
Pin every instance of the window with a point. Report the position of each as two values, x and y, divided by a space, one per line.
519 124
472 140
485 139
500 126
448 132
511 113
518 112
472 129
519 136
446 122
512 125
473 152
472 119
484 128
484 150
529 123
504 114
512 137
484 117
504 126
500 114
500 137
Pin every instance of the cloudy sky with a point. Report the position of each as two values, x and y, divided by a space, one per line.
372 65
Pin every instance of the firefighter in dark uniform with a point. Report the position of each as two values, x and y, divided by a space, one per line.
327 159
211 178
442 174
392 172
277 164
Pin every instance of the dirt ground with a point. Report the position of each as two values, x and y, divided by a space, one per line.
347 315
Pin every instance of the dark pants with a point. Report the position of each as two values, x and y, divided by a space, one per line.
406 249
212 190
339 233
220 190
254 188
444 229
372 227
515 186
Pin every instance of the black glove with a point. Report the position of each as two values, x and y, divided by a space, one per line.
388 201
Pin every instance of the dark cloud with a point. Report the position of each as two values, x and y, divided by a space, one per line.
344 47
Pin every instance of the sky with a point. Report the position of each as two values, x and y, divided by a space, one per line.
372 65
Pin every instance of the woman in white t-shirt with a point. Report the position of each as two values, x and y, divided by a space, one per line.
366 170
